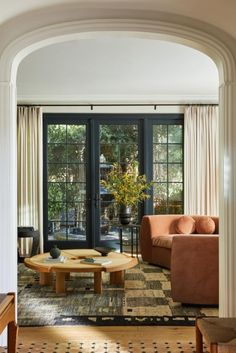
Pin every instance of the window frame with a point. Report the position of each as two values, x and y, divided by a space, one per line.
145 151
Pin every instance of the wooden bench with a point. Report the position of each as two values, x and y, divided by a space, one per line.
219 333
7 319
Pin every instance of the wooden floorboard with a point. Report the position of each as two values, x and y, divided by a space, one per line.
116 339
71 333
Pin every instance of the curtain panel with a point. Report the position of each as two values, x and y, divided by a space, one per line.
29 168
201 160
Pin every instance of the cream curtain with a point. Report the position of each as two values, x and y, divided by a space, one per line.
201 160
29 163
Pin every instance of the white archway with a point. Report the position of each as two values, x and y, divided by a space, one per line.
213 46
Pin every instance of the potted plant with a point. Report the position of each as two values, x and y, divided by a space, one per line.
127 187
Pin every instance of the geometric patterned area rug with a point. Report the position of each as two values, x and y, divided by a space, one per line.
144 300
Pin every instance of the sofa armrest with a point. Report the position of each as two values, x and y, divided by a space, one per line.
146 235
195 269
154 226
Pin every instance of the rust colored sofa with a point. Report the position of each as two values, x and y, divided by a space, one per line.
192 258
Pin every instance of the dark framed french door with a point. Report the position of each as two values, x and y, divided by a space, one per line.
79 151
117 140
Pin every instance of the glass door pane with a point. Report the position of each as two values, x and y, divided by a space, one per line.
118 144
167 168
66 183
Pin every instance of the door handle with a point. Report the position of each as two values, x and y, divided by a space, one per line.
97 200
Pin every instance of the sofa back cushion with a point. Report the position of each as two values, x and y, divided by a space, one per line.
205 225
161 224
156 225
205 219
185 225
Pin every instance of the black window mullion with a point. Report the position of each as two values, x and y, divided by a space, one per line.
67 230
167 161
93 142
146 158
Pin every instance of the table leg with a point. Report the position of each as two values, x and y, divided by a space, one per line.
12 337
45 278
67 276
214 348
132 242
98 282
60 282
121 240
117 277
137 242
199 341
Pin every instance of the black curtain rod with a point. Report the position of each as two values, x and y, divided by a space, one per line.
117 105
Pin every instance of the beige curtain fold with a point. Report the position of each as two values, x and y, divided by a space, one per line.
29 168
201 160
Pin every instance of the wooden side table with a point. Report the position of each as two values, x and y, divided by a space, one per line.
7 319
219 333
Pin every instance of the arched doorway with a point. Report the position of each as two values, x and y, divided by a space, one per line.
187 35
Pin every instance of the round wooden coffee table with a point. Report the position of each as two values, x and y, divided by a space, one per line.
119 263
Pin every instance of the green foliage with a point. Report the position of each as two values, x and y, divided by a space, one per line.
118 134
168 203
66 150
161 207
119 143
127 186
56 195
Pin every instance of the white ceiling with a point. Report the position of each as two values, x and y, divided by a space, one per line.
117 70
220 13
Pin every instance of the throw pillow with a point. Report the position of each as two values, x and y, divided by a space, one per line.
185 225
205 225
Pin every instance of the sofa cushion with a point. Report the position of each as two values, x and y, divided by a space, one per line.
185 225
205 225
163 241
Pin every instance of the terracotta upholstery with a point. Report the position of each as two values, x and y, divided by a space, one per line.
192 258
194 269
205 225
165 241
185 225
153 227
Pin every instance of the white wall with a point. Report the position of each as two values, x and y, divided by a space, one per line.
117 70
